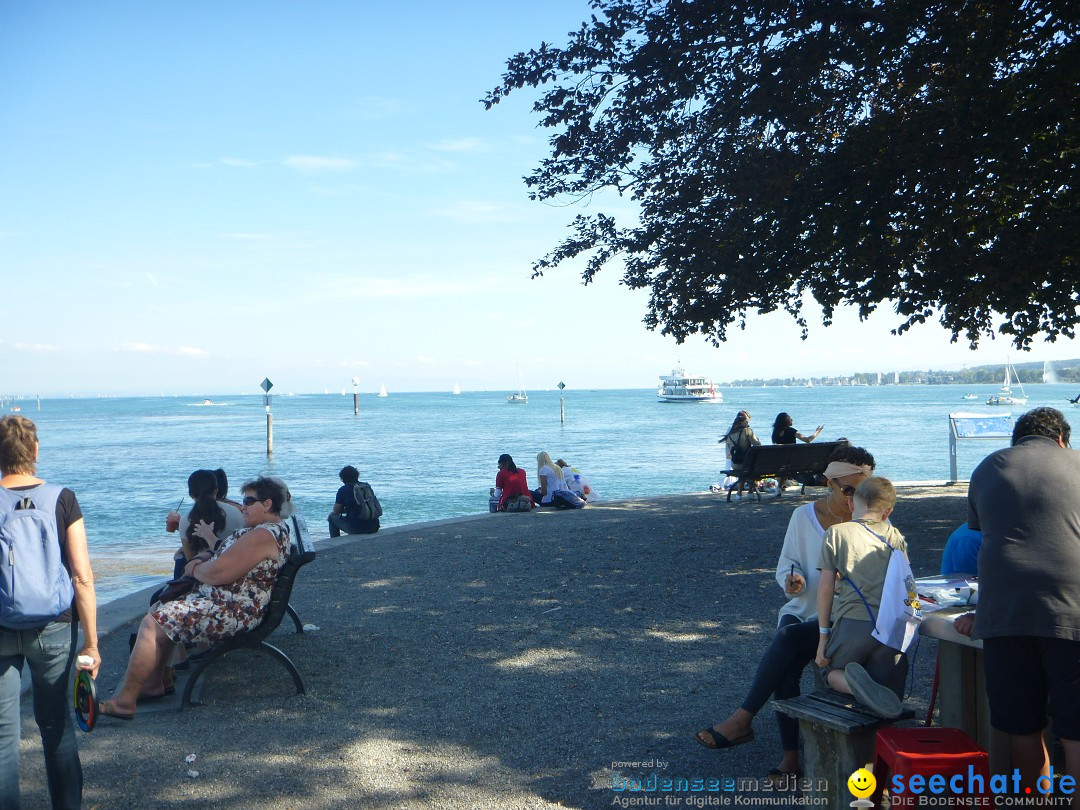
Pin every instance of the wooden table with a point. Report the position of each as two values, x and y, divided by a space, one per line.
961 695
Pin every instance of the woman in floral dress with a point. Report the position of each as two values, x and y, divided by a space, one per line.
232 595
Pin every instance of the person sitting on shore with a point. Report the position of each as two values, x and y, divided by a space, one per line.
234 591
853 661
553 490
221 518
739 438
793 647
784 432
348 515
575 480
511 482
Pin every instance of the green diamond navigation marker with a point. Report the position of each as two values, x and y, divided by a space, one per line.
266 385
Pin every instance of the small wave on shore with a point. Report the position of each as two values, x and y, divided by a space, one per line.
119 572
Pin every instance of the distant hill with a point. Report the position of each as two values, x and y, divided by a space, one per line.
1065 371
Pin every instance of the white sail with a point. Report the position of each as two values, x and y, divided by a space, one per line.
382 390
520 398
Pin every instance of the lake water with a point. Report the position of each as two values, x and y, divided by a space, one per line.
432 455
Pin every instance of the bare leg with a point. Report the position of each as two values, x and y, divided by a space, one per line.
739 724
1029 757
1072 764
838 681
145 666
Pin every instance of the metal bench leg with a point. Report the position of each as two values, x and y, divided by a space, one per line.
295 618
298 682
211 655
218 652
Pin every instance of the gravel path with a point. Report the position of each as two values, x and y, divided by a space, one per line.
504 661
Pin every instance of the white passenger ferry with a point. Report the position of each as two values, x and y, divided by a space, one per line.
682 387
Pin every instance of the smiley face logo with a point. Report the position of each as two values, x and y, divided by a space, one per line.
861 783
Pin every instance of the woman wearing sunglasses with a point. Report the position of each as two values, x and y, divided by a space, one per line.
232 595
795 643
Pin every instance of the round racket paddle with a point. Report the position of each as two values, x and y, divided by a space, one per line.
86 701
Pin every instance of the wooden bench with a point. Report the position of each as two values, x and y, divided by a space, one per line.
301 553
782 461
838 737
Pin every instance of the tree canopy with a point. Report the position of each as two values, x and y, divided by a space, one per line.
920 154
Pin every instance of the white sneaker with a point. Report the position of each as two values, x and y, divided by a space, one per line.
879 699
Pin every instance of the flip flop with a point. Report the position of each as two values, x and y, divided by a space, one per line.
714 739
107 709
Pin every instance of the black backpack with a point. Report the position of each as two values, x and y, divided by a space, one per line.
367 505
738 449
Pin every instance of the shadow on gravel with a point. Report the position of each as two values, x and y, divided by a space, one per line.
511 661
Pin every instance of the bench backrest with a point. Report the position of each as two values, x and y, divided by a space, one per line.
301 552
788 459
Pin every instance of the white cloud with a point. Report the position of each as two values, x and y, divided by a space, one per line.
253 237
459 145
140 347
34 347
371 108
413 287
239 163
474 212
311 163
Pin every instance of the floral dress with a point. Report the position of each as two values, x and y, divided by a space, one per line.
214 612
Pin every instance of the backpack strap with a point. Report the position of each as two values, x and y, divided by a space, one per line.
873 618
43 496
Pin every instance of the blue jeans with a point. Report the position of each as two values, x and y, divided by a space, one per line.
50 652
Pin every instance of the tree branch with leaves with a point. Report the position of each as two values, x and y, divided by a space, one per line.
918 155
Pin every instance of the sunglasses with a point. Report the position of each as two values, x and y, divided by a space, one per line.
250 499
846 490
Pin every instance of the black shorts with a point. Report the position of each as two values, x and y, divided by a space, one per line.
1023 673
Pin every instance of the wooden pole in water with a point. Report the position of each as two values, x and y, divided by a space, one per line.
562 410
355 397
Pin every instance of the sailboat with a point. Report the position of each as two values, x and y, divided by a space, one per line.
520 398
1006 396
382 390
457 388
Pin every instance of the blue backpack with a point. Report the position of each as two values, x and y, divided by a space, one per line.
35 587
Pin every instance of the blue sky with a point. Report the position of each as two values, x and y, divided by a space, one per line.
195 196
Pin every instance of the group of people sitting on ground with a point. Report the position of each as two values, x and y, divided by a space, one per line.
844 536
741 437
561 486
